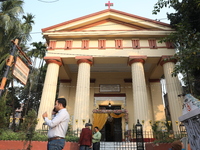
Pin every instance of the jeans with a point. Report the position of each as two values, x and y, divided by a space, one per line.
84 147
96 146
57 144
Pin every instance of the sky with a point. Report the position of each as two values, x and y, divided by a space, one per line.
51 12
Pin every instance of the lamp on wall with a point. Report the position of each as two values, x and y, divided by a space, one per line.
83 121
109 104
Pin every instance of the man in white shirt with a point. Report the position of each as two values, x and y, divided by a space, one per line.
57 126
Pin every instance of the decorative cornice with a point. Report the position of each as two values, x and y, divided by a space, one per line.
56 60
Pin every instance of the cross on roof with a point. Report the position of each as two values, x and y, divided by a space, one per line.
108 4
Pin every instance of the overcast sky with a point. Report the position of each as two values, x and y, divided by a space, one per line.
51 12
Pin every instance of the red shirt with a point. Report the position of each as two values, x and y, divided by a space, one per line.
85 137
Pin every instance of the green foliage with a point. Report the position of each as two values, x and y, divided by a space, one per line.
28 127
29 124
165 140
38 136
4 117
10 135
155 126
71 138
186 40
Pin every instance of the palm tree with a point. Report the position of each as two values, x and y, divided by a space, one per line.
33 88
9 27
27 27
10 22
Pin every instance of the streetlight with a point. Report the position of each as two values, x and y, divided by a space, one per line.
182 128
139 136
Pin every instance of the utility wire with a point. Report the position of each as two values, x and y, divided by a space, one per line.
48 1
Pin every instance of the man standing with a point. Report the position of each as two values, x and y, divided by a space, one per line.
96 139
85 141
57 126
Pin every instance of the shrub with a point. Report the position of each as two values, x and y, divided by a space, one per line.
10 135
16 136
71 138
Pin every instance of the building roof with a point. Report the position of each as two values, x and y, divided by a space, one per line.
104 21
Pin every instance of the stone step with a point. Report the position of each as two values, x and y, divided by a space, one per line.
117 145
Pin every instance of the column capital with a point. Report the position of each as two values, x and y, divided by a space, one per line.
84 59
166 59
55 60
133 59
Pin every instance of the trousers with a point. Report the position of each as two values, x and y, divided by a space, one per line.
84 147
57 144
96 146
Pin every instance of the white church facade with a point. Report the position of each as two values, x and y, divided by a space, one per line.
109 65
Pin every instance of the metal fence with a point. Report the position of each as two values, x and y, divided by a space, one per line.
149 136
128 138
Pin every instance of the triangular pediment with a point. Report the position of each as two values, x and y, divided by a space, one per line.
108 23
107 18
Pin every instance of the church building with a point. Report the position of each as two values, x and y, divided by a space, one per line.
108 66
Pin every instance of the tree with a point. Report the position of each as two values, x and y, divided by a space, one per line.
35 80
28 126
3 116
13 24
186 39
27 26
10 22
9 27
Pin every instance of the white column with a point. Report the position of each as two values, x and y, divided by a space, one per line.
173 87
150 106
64 91
157 101
140 98
49 91
82 98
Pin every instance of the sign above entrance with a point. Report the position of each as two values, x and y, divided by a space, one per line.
109 88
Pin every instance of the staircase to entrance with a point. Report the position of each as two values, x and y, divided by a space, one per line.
118 146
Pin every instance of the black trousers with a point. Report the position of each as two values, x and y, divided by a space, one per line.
96 146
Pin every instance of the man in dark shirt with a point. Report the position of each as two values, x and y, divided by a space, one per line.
85 141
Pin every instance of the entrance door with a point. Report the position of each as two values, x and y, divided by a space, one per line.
112 130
